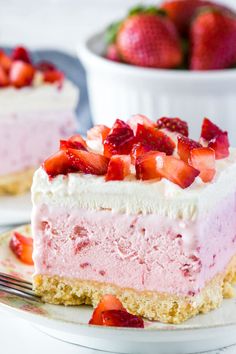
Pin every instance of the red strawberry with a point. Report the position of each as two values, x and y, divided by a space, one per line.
155 139
213 41
5 61
184 146
21 53
57 164
181 12
119 318
98 132
138 150
108 302
21 74
140 119
53 76
146 166
45 66
22 247
175 125
149 40
112 53
74 142
203 159
118 168
209 130
120 139
4 79
221 145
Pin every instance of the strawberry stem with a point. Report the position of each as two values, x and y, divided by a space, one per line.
111 32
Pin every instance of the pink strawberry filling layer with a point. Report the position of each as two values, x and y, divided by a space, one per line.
143 252
26 139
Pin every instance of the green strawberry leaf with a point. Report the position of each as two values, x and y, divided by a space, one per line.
111 32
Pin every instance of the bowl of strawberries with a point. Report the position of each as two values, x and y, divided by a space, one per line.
178 58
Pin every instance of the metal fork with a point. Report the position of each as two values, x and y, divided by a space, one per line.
19 287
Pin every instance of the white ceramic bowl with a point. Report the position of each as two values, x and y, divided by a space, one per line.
120 90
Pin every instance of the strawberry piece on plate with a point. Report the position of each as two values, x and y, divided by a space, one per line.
184 146
209 130
45 66
155 139
119 318
138 150
140 119
21 74
22 247
118 168
99 132
120 140
5 61
221 145
175 125
22 54
203 159
53 76
108 302
74 142
4 79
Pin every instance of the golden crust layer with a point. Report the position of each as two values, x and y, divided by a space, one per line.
152 305
16 183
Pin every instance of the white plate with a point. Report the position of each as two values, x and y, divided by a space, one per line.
15 209
202 333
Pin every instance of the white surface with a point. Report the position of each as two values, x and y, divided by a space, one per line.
15 209
128 90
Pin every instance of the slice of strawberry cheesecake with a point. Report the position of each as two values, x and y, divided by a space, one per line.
36 110
139 211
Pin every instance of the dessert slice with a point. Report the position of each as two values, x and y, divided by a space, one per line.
157 230
36 110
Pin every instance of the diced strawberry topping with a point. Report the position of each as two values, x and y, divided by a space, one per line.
45 66
119 318
203 159
220 144
146 166
22 247
120 139
53 76
98 132
209 130
138 150
184 146
21 53
140 119
175 125
57 164
74 142
5 61
4 80
118 168
155 139
108 302
21 74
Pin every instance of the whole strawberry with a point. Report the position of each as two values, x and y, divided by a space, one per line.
213 40
148 38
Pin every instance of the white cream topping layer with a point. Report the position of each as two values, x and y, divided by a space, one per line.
38 98
132 196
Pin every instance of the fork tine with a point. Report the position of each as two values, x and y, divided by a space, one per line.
15 278
15 282
19 293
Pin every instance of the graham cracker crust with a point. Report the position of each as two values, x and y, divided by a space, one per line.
156 306
16 183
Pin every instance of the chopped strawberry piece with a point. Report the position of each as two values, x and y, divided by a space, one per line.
119 318
74 142
57 164
221 145
120 139
45 66
203 159
209 130
21 74
184 146
118 168
22 247
22 54
108 302
155 139
5 61
98 132
53 76
146 166
138 150
140 119
175 125
4 80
